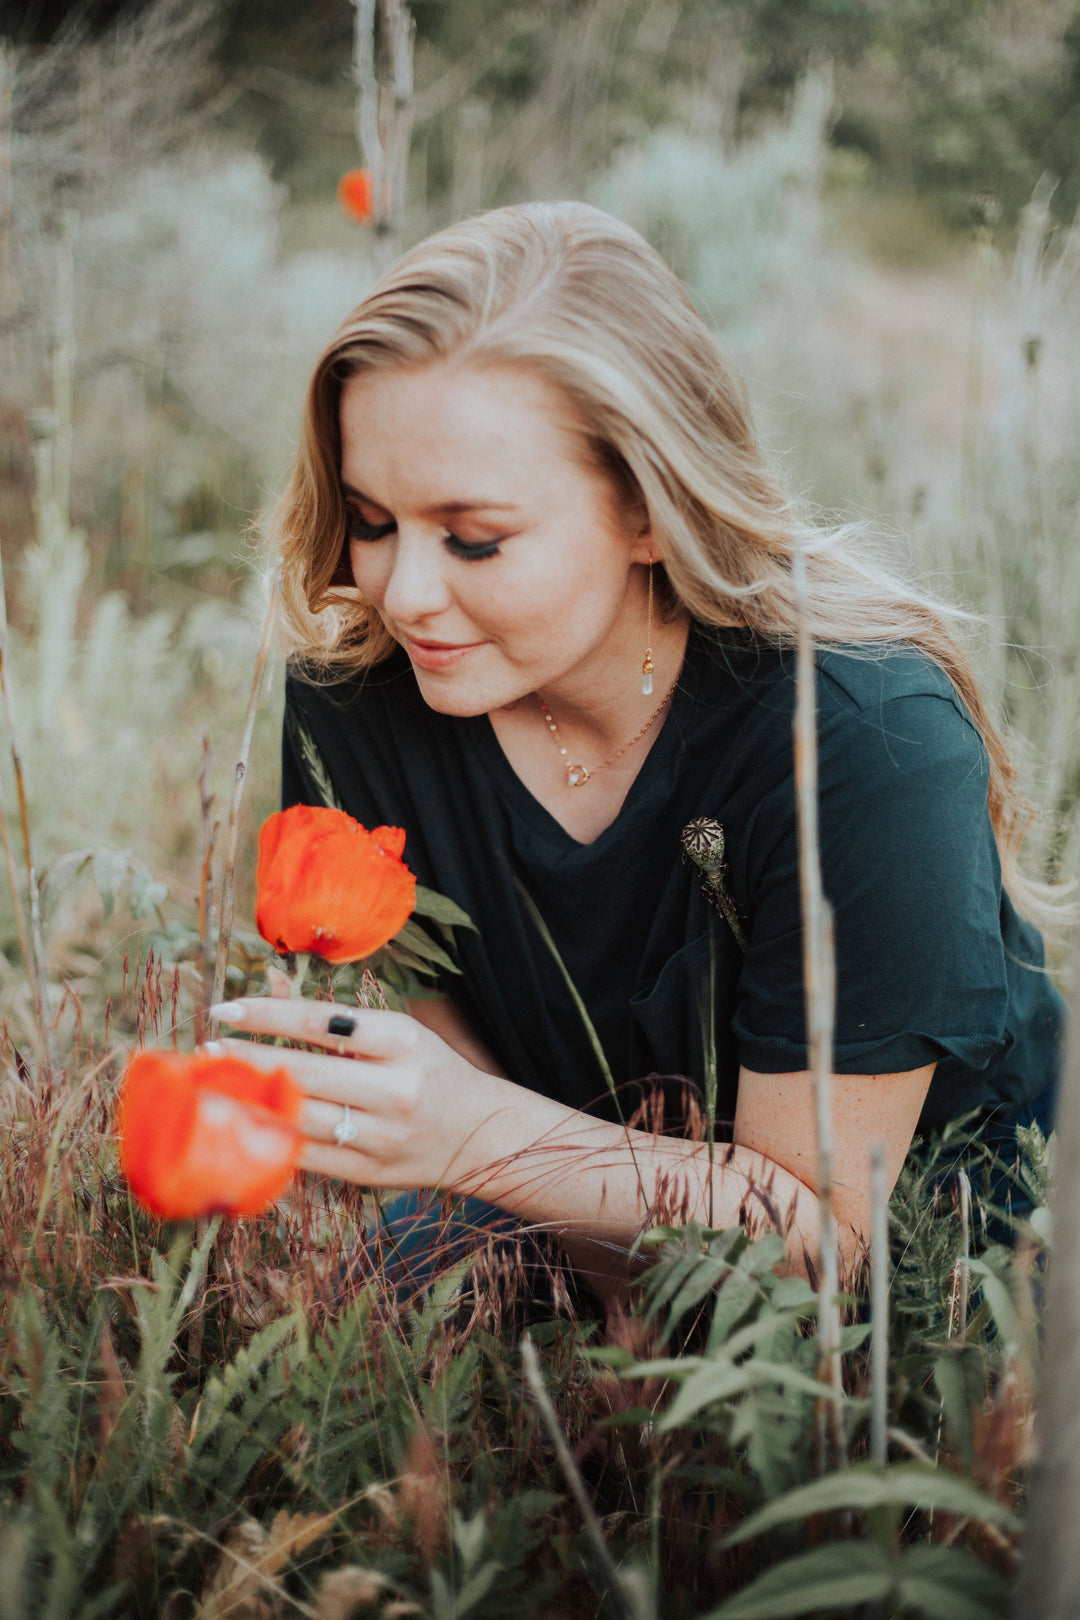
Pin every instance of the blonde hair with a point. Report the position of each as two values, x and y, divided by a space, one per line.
583 301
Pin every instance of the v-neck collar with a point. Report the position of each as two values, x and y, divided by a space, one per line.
652 779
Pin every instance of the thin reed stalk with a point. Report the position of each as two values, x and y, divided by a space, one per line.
819 980
367 100
879 1306
965 1253
384 112
30 942
64 365
228 876
5 823
1049 1583
208 828
629 1597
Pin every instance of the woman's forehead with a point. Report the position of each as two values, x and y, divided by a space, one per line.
454 434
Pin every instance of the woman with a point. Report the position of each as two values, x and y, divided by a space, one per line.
538 579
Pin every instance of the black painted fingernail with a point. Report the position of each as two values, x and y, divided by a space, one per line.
341 1024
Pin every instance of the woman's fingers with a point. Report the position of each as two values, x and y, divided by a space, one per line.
343 1163
367 1133
353 1031
372 1087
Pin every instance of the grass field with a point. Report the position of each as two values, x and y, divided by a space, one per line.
209 1422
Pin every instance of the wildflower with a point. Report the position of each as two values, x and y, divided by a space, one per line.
327 885
356 194
204 1134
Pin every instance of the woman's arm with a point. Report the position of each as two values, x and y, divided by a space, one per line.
775 1118
429 1117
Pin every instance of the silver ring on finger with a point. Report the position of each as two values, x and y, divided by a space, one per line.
346 1129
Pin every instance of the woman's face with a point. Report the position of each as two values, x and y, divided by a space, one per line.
495 558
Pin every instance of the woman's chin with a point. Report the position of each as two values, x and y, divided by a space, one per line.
461 699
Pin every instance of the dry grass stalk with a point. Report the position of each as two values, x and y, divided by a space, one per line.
30 944
367 99
1049 1584
879 1306
228 876
629 1597
384 113
819 969
208 828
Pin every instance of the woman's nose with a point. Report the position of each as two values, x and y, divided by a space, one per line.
415 587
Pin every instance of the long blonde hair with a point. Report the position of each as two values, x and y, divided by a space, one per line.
582 300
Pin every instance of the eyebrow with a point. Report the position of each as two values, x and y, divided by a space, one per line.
478 503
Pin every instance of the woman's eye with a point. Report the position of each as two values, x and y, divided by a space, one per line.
471 551
358 528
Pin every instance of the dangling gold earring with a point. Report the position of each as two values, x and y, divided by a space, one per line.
647 663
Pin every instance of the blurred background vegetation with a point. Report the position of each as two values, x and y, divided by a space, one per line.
872 199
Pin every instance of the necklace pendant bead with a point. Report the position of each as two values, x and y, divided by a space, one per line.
576 776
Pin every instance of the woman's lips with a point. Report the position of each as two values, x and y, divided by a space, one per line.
437 655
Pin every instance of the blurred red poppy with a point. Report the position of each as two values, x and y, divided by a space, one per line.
327 885
202 1134
356 194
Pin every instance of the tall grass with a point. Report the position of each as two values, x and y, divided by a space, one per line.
249 1419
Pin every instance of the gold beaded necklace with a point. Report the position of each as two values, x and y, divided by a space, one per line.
577 775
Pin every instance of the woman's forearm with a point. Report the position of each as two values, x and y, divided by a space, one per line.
596 1185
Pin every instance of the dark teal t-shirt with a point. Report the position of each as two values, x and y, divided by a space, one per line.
933 963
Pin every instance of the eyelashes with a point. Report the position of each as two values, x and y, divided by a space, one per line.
357 528
476 552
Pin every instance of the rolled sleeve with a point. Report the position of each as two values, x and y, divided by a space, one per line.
911 870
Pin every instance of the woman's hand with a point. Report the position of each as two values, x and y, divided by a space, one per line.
422 1114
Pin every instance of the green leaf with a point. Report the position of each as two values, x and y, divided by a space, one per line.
609 1355
110 870
723 1380
476 1587
705 1278
737 1295
792 1293
147 893
996 1293
665 1281
64 870
960 1376
414 938
867 1485
763 1254
429 903
946 1583
852 1334
470 1536
842 1575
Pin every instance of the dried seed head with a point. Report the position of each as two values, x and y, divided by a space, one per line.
703 841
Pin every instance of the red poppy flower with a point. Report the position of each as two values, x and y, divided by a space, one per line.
327 885
205 1134
356 194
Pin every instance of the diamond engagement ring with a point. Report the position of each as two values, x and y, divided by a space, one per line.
346 1129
